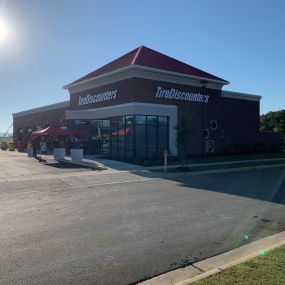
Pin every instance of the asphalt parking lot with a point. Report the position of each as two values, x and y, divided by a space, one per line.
75 226
14 164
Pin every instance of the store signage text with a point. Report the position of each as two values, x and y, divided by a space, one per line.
102 97
175 94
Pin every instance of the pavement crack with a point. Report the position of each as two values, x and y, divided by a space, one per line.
64 182
203 271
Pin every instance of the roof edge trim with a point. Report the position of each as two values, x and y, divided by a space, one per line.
240 95
43 108
134 66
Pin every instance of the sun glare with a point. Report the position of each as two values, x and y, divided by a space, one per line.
3 31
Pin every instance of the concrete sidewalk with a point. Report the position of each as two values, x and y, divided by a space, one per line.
118 165
98 161
37 171
111 165
216 264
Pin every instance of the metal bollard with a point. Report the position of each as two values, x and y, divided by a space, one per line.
165 154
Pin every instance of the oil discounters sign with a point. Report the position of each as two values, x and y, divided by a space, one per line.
102 97
175 94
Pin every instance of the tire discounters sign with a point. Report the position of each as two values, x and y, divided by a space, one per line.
175 94
101 97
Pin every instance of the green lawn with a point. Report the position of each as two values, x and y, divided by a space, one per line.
209 159
222 166
236 157
267 269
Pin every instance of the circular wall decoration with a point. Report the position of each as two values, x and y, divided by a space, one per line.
206 133
214 125
210 146
222 134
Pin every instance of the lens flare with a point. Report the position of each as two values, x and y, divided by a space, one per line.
3 31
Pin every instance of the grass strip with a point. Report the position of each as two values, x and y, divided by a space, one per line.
221 166
266 269
237 157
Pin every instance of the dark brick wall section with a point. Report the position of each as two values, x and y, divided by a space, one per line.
125 95
42 119
240 124
146 90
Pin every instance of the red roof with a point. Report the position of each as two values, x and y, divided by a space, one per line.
147 57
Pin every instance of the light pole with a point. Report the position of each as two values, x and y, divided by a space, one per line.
204 83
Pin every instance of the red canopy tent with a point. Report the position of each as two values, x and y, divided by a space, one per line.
55 131
121 132
78 132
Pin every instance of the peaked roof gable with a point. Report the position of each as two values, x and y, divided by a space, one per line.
146 57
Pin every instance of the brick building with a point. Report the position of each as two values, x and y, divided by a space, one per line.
135 103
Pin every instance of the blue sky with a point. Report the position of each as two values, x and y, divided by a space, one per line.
51 43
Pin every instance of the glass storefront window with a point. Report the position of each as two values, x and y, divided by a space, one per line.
96 123
106 123
151 120
113 123
152 154
140 120
140 136
130 137
163 137
162 120
151 136
121 135
129 154
127 137
141 154
114 139
129 120
105 136
121 122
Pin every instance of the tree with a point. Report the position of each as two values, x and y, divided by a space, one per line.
273 121
182 137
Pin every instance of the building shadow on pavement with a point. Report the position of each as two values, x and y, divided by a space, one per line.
262 184
63 165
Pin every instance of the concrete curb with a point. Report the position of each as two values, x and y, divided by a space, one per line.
155 175
216 264
94 165
232 162
89 163
203 172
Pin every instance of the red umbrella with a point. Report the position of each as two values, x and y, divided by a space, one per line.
55 131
